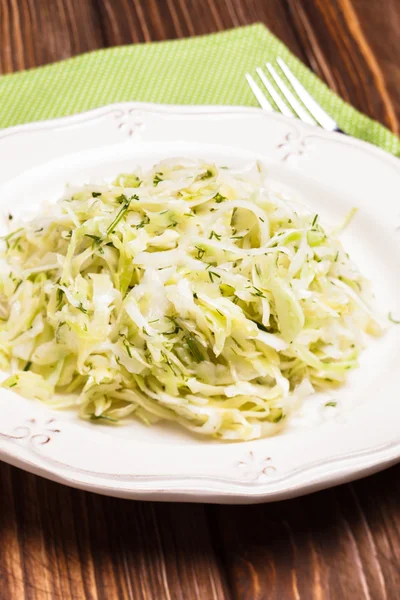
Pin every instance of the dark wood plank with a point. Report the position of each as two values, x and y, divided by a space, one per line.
339 543
56 542
353 45
36 32
63 543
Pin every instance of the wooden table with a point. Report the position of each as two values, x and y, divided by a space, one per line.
342 543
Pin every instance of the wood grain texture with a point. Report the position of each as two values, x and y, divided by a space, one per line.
344 543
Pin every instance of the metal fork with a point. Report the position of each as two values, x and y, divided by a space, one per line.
312 114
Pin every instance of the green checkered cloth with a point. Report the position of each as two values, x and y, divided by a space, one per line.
201 70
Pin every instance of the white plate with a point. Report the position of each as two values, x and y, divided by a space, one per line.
323 446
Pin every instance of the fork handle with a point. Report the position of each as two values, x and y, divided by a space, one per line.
338 130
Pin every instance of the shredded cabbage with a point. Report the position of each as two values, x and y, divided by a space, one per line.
187 293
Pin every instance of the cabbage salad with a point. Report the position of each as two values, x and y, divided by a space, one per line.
189 293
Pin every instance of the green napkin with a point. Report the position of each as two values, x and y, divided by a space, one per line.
201 70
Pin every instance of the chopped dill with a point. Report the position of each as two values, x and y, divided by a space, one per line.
157 179
143 222
96 238
219 198
213 274
119 216
206 175
193 347
393 320
200 252
82 308
216 235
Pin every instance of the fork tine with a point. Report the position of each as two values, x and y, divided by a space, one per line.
283 107
315 109
262 100
294 103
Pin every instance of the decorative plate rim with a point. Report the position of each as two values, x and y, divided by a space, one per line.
213 488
